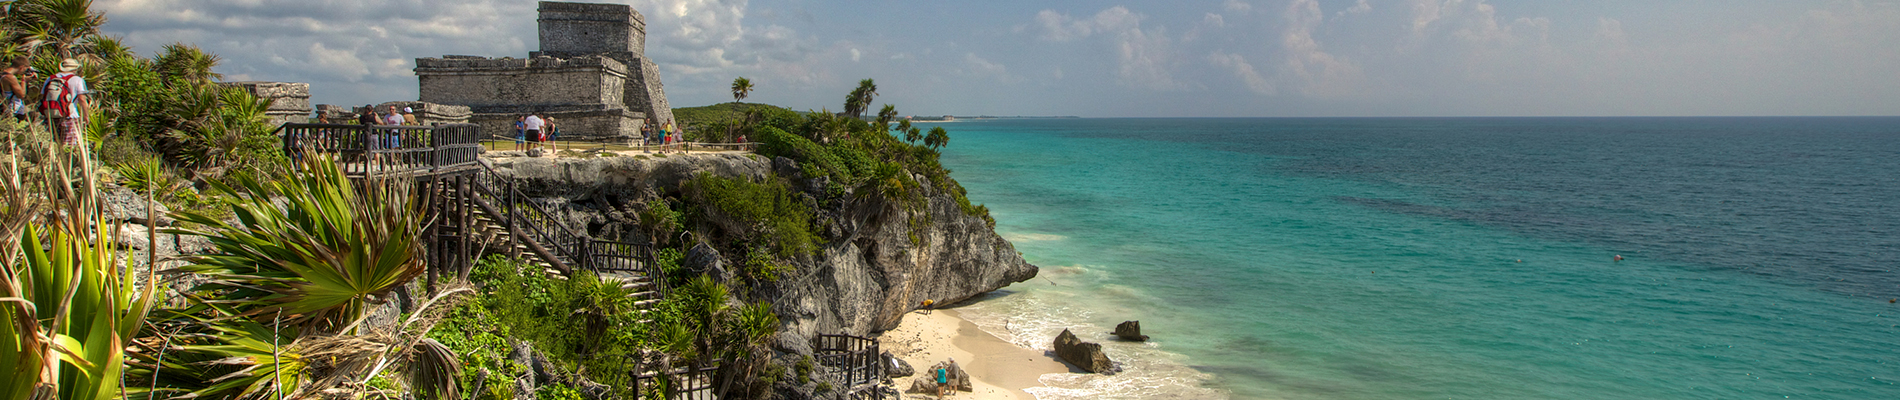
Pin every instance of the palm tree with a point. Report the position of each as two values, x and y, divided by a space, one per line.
885 116
61 26
937 138
741 88
860 99
188 63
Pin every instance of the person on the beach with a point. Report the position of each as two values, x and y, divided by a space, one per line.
13 87
943 381
64 102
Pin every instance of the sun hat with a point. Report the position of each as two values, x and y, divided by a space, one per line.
68 65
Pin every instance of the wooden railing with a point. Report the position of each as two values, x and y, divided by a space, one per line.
387 149
687 384
854 359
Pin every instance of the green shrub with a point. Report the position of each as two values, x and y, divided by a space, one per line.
556 392
804 370
781 221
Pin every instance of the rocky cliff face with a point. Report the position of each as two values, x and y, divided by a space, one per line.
868 274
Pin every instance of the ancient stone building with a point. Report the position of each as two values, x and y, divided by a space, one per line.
290 101
590 75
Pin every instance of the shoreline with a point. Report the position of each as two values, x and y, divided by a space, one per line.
998 369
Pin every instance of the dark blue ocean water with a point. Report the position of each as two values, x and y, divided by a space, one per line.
1453 258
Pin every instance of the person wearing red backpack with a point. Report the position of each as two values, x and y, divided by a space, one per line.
65 102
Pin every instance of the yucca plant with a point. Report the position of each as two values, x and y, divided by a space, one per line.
320 258
238 358
71 300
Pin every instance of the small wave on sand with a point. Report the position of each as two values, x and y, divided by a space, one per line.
1032 317
1031 237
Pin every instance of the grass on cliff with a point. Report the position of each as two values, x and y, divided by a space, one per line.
852 153
718 122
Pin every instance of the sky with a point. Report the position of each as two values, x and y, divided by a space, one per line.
1190 58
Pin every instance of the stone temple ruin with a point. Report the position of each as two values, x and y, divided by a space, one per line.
591 75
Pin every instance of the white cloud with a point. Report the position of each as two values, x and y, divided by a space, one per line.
1238 64
1317 72
974 65
855 56
1058 27
1360 8
342 62
1143 57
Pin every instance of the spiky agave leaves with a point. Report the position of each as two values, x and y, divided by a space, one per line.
320 258
68 300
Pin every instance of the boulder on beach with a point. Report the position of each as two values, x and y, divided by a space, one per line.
1082 354
958 379
896 367
1130 331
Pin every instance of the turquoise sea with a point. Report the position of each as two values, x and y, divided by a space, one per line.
1437 258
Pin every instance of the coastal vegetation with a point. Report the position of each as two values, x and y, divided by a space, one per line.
315 284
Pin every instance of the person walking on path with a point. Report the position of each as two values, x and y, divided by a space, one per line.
13 87
64 102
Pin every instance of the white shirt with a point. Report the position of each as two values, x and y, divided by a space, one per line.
534 123
393 119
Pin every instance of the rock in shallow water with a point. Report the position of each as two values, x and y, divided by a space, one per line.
1082 354
1130 331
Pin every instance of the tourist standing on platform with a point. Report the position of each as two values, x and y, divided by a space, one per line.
521 129
667 136
553 132
646 134
64 102
409 117
395 135
533 125
13 87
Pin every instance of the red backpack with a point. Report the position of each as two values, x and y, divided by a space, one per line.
58 96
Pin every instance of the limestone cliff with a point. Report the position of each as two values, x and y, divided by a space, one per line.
867 275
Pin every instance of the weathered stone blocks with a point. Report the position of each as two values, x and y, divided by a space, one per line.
590 75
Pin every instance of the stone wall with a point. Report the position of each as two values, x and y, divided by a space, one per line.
485 82
590 74
569 29
575 124
645 93
290 101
